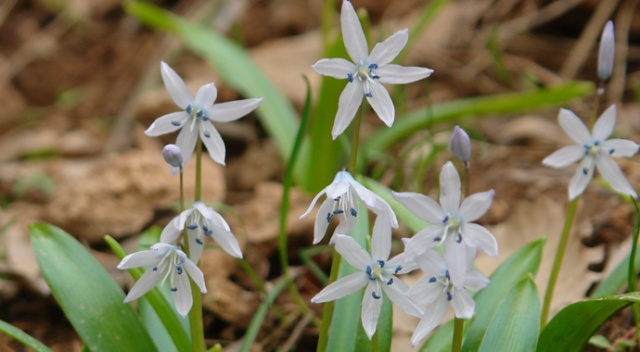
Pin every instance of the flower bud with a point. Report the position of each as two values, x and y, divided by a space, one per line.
607 49
172 155
460 144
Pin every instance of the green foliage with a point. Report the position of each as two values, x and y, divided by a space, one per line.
23 337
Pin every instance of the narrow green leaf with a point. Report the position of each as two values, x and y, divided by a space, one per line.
516 323
613 283
89 297
235 66
571 328
23 337
405 216
382 338
441 339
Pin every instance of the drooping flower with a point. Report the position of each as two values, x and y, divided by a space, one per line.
367 72
195 119
452 222
201 221
606 52
173 156
438 291
165 261
342 197
376 272
595 150
460 145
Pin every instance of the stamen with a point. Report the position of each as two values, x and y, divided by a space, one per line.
199 241
329 217
585 170
207 231
368 95
199 114
368 272
596 143
446 218
446 274
338 212
380 262
459 240
188 109
449 296
207 134
155 268
437 239
354 213
176 123
432 279
611 151
373 294
372 67
398 268
174 289
390 281
204 118
350 77
179 269
192 227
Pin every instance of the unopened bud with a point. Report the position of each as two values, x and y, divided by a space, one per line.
460 144
606 54
173 156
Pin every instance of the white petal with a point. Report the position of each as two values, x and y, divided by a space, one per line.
172 231
475 281
450 191
371 310
463 304
167 124
313 203
381 102
581 177
603 127
455 254
407 263
423 241
187 139
621 147
478 236
421 206
206 95
432 263
383 53
213 141
349 102
433 316
381 239
233 110
396 74
181 292
321 223
336 68
476 205
176 87
195 274
175 170
564 156
352 252
611 172
138 259
224 237
574 127
147 281
354 39
196 244
203 209
340 185
343 287
425 291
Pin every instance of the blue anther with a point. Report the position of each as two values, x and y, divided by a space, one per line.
446 218
585 170
437 239
199 241
368 95
199 114
207 231
375 77
174 289
337 199
446 274
459 239
596 143
373 294
188 109
350 77
611 151
372 67
204 118
192 227
380 262
329 217
207 134
432 279
179 269
176 123
354 213
390 281
398 268
368 272
338 212
155 268
449 296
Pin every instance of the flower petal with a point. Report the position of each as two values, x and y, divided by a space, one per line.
371 309
138 259
206 96
224 237
478 236
463 304
421 206
396 74
232 110
172 231
621 147
349 102
475 280
336 68
611 172
343 287
176 87
352 33
456 257
381 239
476 205
405 261
423 241
196 275
381 103
196 244
432 263
433 316
384 52
574 127
564 156
581 177
603 127
450 191
147 281
181 292
322 220
167 123
187 139
426 291
352 252
400 299
213 141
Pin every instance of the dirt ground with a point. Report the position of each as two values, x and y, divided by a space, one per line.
80 82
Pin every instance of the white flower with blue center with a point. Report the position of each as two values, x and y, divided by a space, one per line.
165 261
438 292
201 221
197 115
343 195
377 273
595 150
367 72
452 222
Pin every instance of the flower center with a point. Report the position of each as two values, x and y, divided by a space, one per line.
196 112
343 206
365 73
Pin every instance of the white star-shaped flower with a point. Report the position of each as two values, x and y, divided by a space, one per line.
342 196
595 150
200 221
437 290
451 221
197 114
367 72
376 272
165 261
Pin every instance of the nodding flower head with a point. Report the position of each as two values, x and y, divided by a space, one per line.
460 145
606 52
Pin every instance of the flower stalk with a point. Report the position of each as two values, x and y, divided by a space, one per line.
195 314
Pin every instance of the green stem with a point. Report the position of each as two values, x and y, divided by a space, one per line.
557 262
458 329
633 285
328 306
466 179
353 160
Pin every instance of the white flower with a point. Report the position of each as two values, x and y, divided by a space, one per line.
460 145
606 52
376 272
200 221
437 290
197 114
342 196
367 72
165 260
595 150
451 222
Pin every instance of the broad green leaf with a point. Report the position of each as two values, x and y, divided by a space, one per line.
89 297
515 325
616 279
441 339
571 328
232 62
23 337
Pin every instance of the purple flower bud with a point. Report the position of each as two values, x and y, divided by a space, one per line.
460 144
172 155
607 49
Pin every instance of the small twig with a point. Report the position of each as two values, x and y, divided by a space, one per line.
297 331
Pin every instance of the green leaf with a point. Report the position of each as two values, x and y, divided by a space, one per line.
382 338
23 337
571 328
441 339
404 215
616 279
516 323
235 66
89 297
